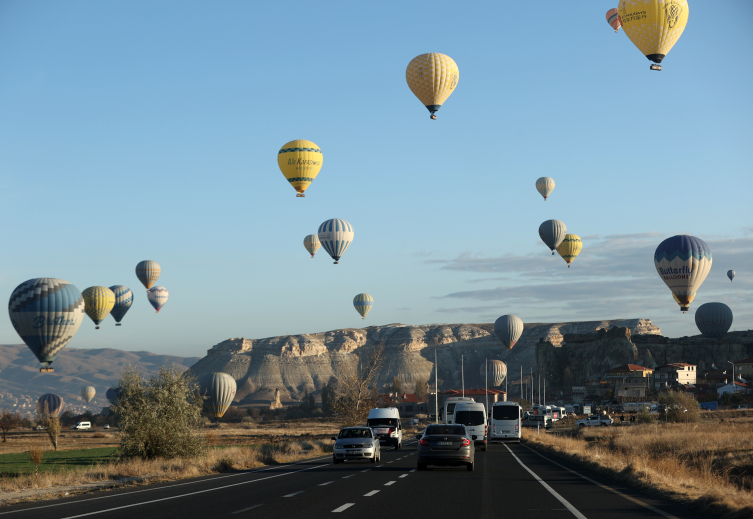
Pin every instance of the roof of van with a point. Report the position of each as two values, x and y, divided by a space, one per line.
467 404
384 411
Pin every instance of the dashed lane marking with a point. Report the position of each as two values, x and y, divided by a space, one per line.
371 493
413 470
247 509
389 462
349 476
559 498
404 476
366 470
323 484
343 507
294 494
390 483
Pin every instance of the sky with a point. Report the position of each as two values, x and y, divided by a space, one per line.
149 130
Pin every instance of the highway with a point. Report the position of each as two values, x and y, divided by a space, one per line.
510 481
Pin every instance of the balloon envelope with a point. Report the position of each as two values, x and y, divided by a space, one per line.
683 262
613 18
497 371
157 297
545 186
50 403
312 244
570 248
552 232
148 272
731 274
123 302
509 329
432 78
653 25
46 313
220 390
363 304
713 320
336 236
88 392
98 303
300 161
112 395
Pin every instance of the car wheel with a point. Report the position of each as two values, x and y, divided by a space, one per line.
470 466
603 424
373 458
582 425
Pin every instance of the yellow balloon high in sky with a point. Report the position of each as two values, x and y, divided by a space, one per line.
300 162
432 77
570 248
654 26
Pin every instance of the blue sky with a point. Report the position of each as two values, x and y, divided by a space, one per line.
149 130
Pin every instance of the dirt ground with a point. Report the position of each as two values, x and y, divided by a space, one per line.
19 440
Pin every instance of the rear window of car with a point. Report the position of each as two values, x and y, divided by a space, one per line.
445 429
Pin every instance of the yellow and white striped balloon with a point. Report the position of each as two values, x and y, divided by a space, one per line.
98 301
363 304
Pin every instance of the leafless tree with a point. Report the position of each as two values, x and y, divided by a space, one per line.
9 421
354 388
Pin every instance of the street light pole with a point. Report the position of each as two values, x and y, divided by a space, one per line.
734 387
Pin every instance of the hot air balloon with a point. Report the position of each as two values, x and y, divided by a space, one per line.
731 275
654 26
88 392
50 403
363 304
552 232
312 244
300 162
613 17
497 371
336 236
545 186
99 301
432 78
220 390
683 262
157 297
112 395
148 272
570 248
123 302
713 320
46 313
508 328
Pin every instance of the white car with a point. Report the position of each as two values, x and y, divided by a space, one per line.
595 420
356 443
385 422
82 426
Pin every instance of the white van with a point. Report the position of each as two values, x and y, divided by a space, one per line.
386 425
505 424
82 426
449 406
473 416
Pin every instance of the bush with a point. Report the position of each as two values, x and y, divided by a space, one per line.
645 416
679 407
226 464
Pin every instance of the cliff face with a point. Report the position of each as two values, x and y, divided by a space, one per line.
296 364
583 357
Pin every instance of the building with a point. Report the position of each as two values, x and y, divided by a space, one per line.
578 394
744 367
677 374
630 382
736 387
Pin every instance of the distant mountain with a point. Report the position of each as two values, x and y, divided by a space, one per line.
75 368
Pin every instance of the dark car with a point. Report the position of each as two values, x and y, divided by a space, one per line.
445 445
356 443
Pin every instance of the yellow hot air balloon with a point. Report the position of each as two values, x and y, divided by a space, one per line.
432 78
98 301
570 248
654 26
300 162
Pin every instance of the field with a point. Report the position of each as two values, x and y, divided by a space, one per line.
707 464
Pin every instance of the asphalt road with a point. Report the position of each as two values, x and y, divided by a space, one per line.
509 481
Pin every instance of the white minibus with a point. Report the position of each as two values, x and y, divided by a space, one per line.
449 406
505 425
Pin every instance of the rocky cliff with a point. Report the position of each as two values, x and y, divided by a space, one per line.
297 364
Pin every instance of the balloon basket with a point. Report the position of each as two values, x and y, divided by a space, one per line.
433 117
655 67
337 263
96 327
300 195
47 370
117 324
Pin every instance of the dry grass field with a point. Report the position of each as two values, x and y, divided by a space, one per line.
708 464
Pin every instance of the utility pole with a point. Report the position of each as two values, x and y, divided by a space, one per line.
486 372
521 385
545 388
462 374
436 389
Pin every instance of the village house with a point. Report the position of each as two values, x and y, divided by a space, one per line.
630 382
672 375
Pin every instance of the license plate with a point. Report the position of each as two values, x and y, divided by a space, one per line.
353 452
444 443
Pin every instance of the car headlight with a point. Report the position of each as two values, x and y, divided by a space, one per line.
339 446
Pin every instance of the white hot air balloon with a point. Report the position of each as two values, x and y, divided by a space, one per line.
552 232
545 186
508 328
88 392
336 236
497 372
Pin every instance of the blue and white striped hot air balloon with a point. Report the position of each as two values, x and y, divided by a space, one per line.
336 236
50 404
157 297
123 302
46 313
363 304
683 262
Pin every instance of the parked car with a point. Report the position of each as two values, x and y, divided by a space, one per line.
743 406
40 428
595 420
356 443
447 445
106 426
386 425
542 420
82 426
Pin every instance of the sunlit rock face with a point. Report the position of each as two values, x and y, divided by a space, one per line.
300 364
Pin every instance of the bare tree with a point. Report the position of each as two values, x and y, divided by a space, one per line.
421 392
354 391
9 421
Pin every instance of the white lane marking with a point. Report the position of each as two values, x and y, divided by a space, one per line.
404 476
204 480
390 483
349 476
389 462
413 470
343 507
605 487
323 484
371 493
189 493
294 494
559 498
247 509
366 470
382 465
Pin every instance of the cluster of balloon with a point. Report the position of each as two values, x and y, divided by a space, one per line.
148 272
87 393
46 313
683 262
654 26
98 301
432 78
495 370
713 320
50 404
363 304
219 390
508 328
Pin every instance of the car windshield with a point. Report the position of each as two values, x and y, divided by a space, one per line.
355 433
469 417
384 422
505 412
445 429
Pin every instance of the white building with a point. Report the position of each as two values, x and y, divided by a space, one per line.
737 387
678 373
